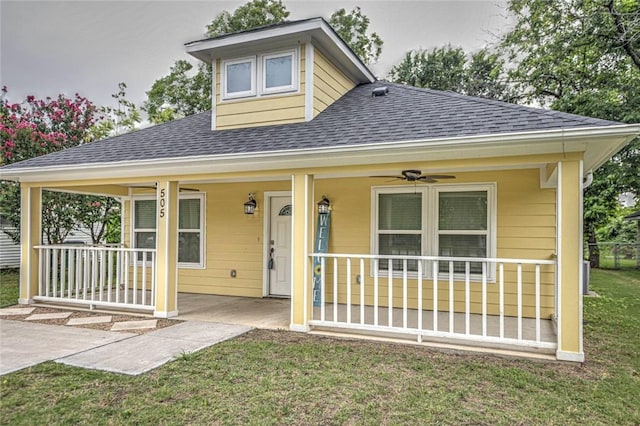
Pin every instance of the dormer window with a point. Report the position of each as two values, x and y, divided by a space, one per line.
239 78
271 73
279 72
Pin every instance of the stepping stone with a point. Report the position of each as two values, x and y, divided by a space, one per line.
16 311
57 315
134 325
89 320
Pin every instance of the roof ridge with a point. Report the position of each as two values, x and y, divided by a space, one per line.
502 104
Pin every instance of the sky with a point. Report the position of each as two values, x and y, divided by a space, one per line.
89 46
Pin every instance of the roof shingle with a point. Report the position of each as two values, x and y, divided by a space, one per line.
405 114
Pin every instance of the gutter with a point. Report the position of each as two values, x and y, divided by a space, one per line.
536 142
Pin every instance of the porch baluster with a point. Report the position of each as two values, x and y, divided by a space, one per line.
451 303
434 273
419 301
348 290
390 291
361 291
501 290
54 272
322 288
404 293
63 271
538 302
467 300
375 291
484 299
335 289
519 301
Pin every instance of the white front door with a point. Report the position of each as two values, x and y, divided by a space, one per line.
279 255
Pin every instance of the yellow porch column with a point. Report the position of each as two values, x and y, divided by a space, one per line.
167 247
30 236
569 236
302 201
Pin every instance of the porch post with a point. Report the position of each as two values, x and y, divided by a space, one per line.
569 251
30 236
302 201
167 250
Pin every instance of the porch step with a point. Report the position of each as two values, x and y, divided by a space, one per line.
439 344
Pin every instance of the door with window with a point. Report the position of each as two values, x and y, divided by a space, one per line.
279 259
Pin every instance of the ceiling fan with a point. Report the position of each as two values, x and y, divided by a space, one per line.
417 176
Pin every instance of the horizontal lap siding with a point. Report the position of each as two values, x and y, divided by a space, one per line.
234 241
329 83
525 229
267 110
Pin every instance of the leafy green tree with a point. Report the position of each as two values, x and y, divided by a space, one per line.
254 14
122 118
583 57
37 127
447 68
186 90
352 27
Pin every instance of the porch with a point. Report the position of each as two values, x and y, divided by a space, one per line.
497 303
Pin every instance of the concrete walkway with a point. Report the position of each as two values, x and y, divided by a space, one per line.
23 344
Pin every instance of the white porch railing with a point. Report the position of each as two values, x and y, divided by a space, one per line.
97 276
481 300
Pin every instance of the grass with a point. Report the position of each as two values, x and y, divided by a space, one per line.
278 377
9 287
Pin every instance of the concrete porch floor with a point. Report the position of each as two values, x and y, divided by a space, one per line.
274 313
267 313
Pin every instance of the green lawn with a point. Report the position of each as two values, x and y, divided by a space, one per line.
269 377
9 287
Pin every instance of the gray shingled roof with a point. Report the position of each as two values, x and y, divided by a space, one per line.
405 113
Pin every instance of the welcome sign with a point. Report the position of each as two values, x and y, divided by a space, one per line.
321 246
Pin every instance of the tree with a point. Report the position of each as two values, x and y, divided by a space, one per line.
583 57
254 14
116 121
185 90
34 128
352 27
38 127
446 68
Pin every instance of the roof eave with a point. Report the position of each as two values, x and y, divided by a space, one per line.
588 140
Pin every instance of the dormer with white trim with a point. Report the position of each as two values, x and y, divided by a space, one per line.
278 74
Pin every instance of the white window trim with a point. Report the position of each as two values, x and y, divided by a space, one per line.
203 205
258 77
430 232
203 255
223 77
294 72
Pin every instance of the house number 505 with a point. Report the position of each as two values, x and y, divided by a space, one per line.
163 202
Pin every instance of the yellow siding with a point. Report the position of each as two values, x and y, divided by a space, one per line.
265 110
329 83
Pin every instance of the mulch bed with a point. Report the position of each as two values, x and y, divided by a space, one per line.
162 323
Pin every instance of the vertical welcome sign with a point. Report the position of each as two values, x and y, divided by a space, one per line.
321 245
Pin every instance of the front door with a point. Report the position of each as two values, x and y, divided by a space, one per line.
279 259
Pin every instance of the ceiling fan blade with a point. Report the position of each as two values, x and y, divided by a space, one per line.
388 177
426 179
439 176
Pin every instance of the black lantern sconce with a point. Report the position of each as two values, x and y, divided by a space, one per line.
250 206
324 205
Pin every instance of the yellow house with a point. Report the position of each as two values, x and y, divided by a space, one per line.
376 208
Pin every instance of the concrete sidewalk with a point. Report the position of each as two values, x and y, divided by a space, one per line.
23 344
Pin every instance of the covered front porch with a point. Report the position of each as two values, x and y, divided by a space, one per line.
515 292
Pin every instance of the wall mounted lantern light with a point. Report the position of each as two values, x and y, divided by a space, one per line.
250 206
323 205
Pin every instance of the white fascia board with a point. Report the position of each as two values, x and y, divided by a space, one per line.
468 147
205 50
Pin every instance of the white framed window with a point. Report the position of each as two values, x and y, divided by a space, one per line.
435 220
239 78
191 228
279 72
